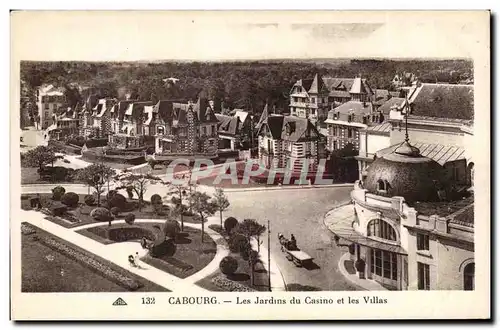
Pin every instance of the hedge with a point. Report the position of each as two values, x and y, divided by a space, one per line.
101 214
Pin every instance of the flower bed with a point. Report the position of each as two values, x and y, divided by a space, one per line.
227 285
27 229
62 248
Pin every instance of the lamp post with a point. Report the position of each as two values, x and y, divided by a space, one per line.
268 255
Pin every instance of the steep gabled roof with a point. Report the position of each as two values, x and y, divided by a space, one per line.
317 85
263 116
228 124
296 128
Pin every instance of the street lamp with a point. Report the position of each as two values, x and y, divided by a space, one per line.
269 255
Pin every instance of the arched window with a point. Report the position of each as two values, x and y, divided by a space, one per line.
381 185
380 228
469 271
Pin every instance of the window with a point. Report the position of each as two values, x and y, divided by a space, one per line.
365 120
381 185
334 145
384 263
213 129
380 228
423 276
161 130
469 277
422 242
313 100
46 106
313 111
349 132
204 130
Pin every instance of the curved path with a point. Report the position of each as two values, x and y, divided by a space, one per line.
117 252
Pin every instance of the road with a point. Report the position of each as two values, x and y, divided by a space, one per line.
300 212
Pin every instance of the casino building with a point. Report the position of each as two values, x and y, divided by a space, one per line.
408 226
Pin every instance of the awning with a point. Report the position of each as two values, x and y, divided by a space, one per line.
340 221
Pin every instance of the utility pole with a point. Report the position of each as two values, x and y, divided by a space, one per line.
269 255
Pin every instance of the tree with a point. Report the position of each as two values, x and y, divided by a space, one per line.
250 228
138 182
221 202
202 205
95 176
152 163
39 157
252 257
178 191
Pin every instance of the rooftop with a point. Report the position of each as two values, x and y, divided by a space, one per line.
443 101
441 154
455 209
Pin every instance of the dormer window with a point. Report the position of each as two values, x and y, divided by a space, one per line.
160 130
382 186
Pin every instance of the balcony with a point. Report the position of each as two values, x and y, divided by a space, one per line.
303 105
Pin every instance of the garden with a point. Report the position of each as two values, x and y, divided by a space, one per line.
183 253
50 264
242 269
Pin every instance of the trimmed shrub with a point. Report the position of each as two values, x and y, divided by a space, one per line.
176 201
57 193
130 218
57 208
118 201
228 265
229 224
89 200
237 243
115 211
172 228
101 214
70 199
165 248
111 193
156 199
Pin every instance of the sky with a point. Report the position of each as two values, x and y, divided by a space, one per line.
150 35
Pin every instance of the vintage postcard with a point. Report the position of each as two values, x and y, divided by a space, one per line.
232 165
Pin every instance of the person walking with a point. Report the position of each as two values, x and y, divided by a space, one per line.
131 260
136 259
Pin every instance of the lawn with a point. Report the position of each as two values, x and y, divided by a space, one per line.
29 175
47 270
82 213
191 254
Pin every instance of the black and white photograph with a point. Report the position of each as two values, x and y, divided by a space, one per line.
328 162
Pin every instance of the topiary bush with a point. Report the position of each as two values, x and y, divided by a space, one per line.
118 201
57 193
237 243
130 218
101 214
228 265
156 199
229 224
115 211
89 200
111 193
165 248
70 199
171 228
